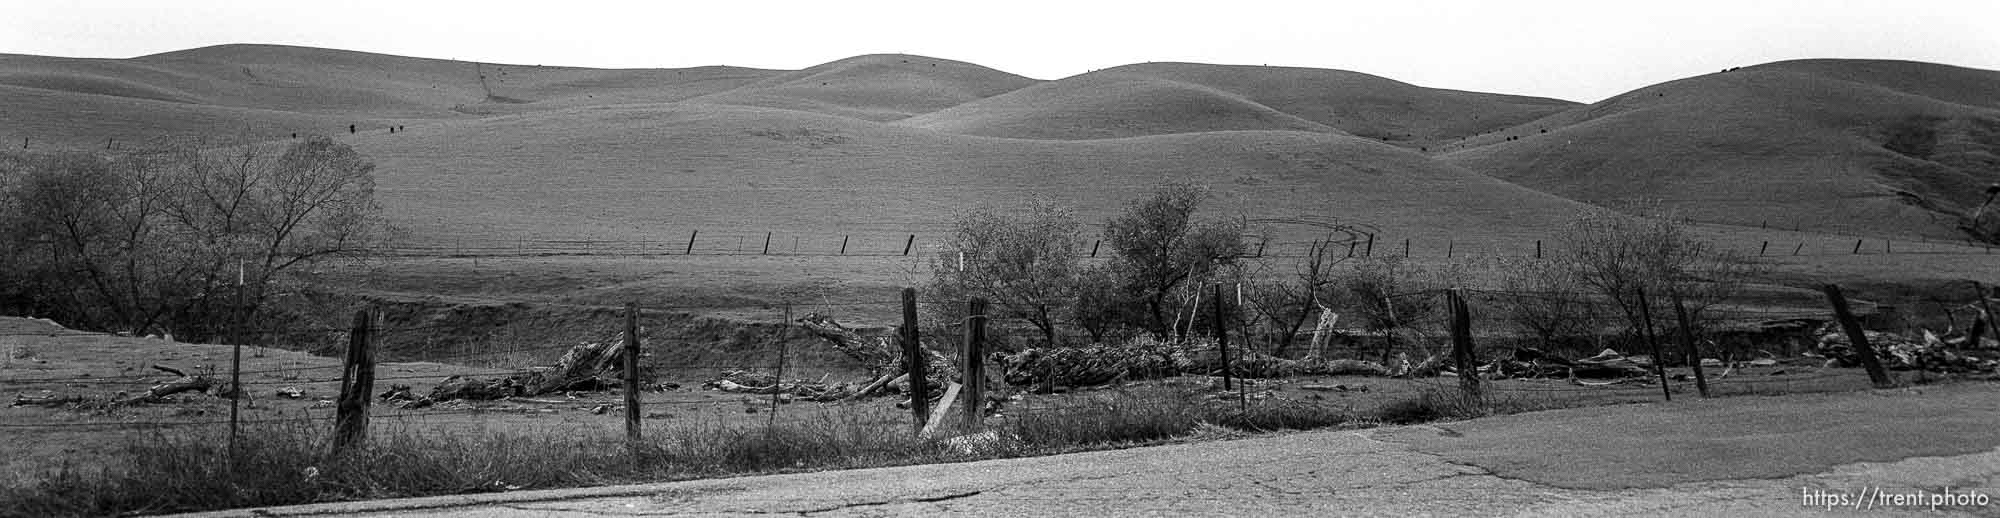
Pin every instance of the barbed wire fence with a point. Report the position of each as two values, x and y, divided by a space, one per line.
1216 350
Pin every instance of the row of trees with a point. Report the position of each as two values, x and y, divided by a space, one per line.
1030 264
174 238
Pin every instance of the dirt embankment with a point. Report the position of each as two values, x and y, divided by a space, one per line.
519 334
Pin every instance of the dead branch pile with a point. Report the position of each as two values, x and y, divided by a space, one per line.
749 382
1899 352
882 357
1143 358
589 366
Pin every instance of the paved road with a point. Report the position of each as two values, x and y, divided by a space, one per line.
1745 456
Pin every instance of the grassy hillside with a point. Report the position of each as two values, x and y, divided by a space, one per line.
878 87
1877 147
1362 104
1107 105
1162 98
271 91
656 172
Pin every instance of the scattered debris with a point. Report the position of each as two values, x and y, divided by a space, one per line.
1926 352
750 382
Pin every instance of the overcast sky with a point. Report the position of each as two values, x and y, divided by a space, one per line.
1581 50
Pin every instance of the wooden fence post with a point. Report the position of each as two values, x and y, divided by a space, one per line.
784 331
1659 362
1688 347
1981 322
975 363
1857 338
236 363
1222 342
914 362
1991 319
631 364
691 236
357 381
1461 346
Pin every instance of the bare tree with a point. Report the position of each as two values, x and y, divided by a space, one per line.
1159 244
1542 299
1290 301
173 237
1024 263
1619 257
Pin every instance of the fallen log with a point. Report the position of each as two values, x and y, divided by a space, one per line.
187 382
50 400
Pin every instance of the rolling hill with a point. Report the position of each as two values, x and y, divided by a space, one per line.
271 91
878 87
1161 98
655 172
1877 147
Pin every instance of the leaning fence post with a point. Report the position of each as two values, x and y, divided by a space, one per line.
914 362
1857 337
1659 363
1461 346
975 362
357 380
1688 347
631 368
784 331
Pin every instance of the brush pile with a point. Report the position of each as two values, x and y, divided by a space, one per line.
751 382
1146 358
1899 352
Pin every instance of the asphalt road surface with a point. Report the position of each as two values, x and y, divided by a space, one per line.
1853 454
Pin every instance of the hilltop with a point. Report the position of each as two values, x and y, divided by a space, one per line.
1878 147
1161 98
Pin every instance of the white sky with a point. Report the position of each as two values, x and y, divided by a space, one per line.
1576 50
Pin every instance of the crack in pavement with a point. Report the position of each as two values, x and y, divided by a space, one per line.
892 501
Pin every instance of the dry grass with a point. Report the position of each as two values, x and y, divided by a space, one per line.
189 470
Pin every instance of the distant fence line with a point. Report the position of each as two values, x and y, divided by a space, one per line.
876 244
